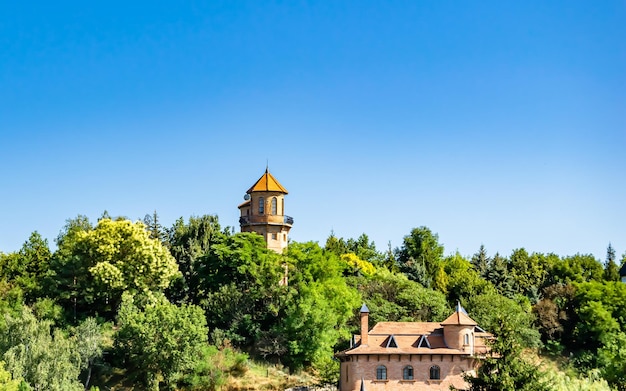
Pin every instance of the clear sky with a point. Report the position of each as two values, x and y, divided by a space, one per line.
490 122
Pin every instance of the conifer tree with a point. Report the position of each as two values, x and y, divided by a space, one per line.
481 261
611 271
154 227
499 276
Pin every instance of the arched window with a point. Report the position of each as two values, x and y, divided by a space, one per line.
435 373
282 207
381 372
466 339
407 373
261 205
274 206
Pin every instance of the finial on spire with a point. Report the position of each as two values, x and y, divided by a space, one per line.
267 165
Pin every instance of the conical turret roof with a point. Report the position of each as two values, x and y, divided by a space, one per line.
459 318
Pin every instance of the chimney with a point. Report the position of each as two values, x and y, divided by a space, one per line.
364 325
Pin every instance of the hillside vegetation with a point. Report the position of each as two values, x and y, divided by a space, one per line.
125 305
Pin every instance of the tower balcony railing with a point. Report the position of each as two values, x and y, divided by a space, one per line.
266 219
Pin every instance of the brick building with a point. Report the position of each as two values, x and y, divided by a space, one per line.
416 356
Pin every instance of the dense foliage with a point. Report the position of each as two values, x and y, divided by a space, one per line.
186 306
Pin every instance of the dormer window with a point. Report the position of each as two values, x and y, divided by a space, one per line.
261 205
391 342
274 206
423 342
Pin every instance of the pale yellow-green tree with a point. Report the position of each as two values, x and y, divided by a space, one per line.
357 265
7 383
127 259
94 266
560 381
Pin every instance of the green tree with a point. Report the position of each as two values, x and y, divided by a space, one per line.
601 311
480 261
318 306
336 245
89 342
93 267
563 381
393 297
27 268
463 281
46 360
7 383
577 268
505 368
239 288
365 250
161 343
611 270
498 274
528 272
420 255
361 247
488 310
213 368
390 261
188 242
154 227
612 360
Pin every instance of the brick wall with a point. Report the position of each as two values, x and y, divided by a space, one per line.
451 372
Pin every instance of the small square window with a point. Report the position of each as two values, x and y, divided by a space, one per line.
274 236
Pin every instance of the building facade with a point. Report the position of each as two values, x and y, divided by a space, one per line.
263 212
415 356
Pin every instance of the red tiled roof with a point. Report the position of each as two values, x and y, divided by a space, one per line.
417 338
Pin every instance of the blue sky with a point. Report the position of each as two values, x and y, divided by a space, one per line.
495 123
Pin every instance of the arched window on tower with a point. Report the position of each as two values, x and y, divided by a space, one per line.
274 206
261 205
282 206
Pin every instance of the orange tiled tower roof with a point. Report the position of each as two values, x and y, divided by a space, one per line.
460 318
267 182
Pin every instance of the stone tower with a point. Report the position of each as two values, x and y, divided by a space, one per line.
263 212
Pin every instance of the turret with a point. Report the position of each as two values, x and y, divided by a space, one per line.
458 331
